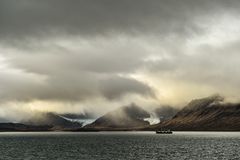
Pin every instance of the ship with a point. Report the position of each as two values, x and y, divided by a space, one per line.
164 131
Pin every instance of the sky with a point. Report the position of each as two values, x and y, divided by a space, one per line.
69 56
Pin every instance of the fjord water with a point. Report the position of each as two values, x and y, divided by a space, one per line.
119 145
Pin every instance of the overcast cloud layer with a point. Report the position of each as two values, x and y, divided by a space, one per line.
95 55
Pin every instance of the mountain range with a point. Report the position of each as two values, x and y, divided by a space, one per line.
205 114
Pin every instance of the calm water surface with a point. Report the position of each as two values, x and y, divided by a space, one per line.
120 145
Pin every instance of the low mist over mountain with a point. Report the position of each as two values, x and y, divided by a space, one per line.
166 112
78 116
84 118
128 117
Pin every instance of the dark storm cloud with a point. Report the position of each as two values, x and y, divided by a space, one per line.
69 87
104 55
115 87
92 17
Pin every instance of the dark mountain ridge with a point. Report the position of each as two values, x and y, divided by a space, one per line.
51 119
207 114
22 127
